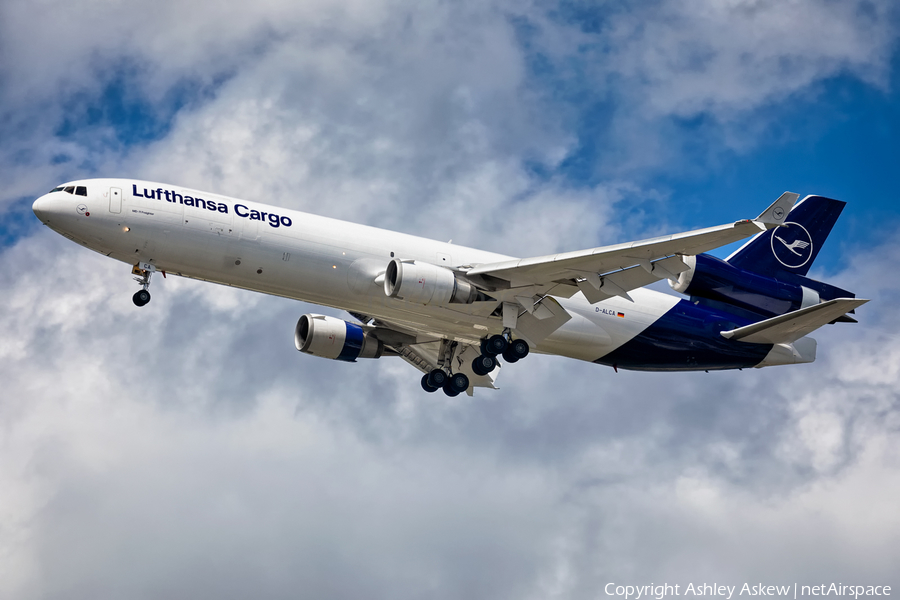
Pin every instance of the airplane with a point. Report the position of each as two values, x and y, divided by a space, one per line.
453 312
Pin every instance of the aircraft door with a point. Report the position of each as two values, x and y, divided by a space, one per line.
249 230
115 200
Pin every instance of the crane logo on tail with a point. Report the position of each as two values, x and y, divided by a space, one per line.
794 247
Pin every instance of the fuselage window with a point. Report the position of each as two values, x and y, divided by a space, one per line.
81 191
70 189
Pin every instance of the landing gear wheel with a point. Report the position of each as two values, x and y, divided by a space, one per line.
436 379
456 384
484 364
141 297
494 345
450 392
509 357
427 386
519 348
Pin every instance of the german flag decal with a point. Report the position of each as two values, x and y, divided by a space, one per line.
621 314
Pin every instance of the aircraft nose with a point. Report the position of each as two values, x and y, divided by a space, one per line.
41 208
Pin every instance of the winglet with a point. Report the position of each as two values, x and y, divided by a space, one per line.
777 211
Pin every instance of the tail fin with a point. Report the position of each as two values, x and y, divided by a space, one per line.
793 247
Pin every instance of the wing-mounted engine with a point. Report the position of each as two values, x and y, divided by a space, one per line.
424 283
329 337
710 278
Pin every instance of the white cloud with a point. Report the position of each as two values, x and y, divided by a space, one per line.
724 58
682 82
381 95
195 449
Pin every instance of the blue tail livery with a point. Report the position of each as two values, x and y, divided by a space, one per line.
767 276
791 248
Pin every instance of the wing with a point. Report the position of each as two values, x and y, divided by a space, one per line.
608 271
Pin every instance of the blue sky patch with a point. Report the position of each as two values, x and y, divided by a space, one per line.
17 221
123 106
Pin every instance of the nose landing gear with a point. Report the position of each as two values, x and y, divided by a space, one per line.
143 272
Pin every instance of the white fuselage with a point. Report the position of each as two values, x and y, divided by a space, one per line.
311 258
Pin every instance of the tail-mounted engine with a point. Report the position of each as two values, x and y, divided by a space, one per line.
424 283
329 337
713 279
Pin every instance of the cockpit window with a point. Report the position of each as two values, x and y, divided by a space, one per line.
70 189
81 191
57 189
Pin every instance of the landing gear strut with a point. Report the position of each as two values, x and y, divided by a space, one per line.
142 296
444 377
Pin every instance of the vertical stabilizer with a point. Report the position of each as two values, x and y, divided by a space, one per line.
793 247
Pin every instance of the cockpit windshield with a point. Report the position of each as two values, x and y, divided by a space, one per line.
79 190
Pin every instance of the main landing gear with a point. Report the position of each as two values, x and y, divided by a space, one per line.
453 385
456 383
142 296
511 351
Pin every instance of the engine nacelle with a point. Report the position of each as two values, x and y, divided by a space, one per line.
424 283
715 279
333 338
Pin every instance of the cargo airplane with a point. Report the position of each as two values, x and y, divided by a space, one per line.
454 312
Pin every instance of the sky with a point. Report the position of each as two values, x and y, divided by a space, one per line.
186 450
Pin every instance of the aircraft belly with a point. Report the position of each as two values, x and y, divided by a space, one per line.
330 275
687 338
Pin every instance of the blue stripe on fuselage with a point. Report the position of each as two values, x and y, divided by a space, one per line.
687 338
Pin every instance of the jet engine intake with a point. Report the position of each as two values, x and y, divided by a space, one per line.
333 338
424 283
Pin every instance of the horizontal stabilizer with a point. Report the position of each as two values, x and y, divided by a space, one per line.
792 326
